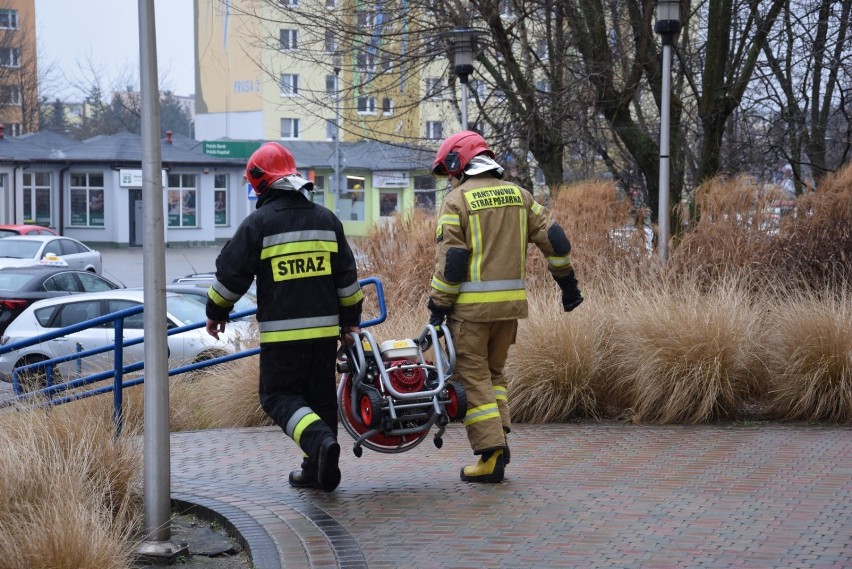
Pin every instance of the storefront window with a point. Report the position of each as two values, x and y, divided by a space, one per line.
388 203
318 196
182 194
37 198
220 196
87 199
424 193
351 201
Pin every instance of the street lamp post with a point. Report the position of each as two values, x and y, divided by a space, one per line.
337 61
462 41
668 26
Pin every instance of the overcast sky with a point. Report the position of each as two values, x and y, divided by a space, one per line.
106 33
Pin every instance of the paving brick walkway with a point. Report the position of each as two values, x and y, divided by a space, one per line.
586 495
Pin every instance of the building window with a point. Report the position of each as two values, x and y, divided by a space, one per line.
9 19
36 193
351 201
330 129
434 88
366 61
366 105
330 41
542 86
288 40
434 130
10 95
318 195
366 19
479 88
289 84
541 49
331 4
87 199
10 57
387 106
477 126
331 85
288 3
182 193
290 128
14 129
424 193
220 199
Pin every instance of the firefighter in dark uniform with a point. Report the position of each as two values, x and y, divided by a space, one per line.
478 288
307 296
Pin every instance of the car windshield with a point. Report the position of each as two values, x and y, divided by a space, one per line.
8 232
17 249
185 309
13 281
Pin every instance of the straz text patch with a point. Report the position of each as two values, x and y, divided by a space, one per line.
301 265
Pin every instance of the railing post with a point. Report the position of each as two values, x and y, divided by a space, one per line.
118 377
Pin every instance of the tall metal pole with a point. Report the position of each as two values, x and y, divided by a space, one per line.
665 158
463 102
156 483
668 25
338 190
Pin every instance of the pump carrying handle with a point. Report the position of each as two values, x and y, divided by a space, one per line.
380 297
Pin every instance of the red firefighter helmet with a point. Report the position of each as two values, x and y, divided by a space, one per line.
457 151
269 163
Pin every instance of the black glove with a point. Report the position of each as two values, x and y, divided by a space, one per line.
571 296
438 314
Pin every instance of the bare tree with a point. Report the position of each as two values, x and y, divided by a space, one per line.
808 81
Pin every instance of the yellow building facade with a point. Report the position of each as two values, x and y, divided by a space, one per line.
19 92
264 72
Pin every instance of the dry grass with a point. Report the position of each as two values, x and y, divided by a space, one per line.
558 369
69 492
689 356
812 358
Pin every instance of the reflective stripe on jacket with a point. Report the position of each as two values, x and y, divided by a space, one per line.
483 230
307 283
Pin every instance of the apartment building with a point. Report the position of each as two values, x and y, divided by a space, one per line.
19 107
264 72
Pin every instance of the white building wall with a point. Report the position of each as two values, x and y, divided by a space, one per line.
236 125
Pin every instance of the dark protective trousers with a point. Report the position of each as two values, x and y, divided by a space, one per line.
296 376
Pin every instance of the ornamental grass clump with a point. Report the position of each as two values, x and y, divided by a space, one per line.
812 358
688 355
402 256
218 397
606 231
814 249
70 493
732 238
557 369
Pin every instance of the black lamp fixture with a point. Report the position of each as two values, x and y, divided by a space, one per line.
668 20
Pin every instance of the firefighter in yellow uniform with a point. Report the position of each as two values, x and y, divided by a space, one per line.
478 290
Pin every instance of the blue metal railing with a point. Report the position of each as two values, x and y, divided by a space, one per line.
119 369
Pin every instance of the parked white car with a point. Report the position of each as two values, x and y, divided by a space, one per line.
29 250
48 315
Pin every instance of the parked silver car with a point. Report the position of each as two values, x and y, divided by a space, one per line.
48 315
29 250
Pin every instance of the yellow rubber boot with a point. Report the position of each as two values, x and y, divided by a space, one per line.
489 470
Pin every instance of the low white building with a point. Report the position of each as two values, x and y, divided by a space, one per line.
92 190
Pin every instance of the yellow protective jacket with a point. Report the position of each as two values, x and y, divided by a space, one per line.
483 230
